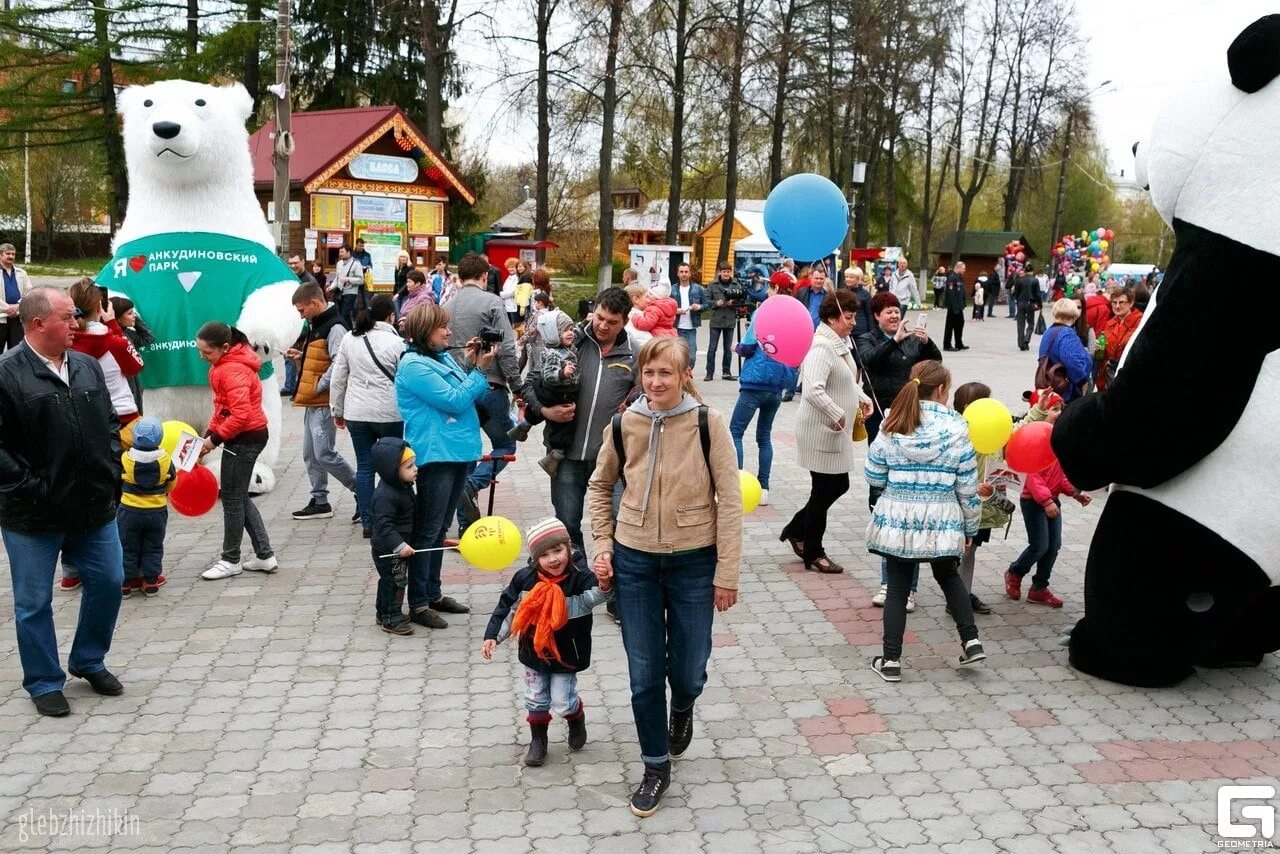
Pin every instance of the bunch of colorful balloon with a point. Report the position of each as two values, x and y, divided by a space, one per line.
1066 255
1015 255
1098 243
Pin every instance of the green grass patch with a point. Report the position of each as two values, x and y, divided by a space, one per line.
66 267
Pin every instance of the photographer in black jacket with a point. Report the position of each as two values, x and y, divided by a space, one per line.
59 491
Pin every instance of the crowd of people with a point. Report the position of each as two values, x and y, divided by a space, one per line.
437 385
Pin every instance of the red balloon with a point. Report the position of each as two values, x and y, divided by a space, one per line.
1028 450
195 492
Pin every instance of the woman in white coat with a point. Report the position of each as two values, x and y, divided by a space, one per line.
825 427
362 391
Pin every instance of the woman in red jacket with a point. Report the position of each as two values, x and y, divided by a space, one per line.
239 424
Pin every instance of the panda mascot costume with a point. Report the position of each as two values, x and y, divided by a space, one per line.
1185 562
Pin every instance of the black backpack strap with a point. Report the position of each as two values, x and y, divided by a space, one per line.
618 447
704 434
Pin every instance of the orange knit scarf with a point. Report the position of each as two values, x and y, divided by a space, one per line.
545 610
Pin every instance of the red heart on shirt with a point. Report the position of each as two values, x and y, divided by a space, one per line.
137 262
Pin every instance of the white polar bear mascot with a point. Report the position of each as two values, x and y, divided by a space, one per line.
194 247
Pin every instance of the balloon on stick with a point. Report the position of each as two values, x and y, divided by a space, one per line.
784 330
751 491
491 543
194 492
806 217
990 425
1029 450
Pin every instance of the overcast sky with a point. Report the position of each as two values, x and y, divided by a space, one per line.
1146 48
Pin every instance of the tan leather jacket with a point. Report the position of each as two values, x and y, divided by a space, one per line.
681 512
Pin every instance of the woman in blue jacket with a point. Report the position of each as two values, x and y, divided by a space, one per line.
1062 346
760 388
437 399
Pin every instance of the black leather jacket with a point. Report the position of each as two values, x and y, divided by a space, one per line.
59 446
887 363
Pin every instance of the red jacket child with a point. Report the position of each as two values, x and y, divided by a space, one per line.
1045 486
659 318
237 399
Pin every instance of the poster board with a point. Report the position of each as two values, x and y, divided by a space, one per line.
426 218
330 213
383 241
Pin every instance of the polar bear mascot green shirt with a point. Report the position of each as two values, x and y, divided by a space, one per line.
194 246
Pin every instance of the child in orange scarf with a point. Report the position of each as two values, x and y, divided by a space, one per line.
547 606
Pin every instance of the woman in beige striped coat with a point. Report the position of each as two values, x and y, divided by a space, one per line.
824 427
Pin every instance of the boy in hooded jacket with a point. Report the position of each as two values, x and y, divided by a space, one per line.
392 512
548 607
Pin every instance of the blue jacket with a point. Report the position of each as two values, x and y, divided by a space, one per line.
812 301
438 402
759 372
1062 345
697 296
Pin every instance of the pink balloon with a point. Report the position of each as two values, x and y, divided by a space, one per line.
784 329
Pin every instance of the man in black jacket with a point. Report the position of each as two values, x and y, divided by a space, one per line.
1026 290
59 491
956 296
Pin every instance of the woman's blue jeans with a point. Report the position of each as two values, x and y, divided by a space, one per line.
439 488
666 604
749 402
363 435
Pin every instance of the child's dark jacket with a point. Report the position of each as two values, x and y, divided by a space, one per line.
393 500
581 592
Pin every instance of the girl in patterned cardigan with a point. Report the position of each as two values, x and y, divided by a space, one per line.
926 465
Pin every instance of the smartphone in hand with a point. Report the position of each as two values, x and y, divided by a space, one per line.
922 320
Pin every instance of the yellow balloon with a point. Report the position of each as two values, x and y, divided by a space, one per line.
990 425
171 431
491 543
751 491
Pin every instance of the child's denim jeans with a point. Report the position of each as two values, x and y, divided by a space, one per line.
545 693
393 576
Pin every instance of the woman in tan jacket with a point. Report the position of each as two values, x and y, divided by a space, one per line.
824 427
674 551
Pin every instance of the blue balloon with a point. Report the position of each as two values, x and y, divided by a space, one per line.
806 217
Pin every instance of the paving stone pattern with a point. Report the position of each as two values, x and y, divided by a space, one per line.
269 714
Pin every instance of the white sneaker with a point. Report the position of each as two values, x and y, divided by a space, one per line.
764 498
911 603
221 569
260 564
878 599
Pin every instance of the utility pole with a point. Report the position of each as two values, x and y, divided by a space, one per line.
283 146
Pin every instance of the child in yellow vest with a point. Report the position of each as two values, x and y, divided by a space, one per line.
147 477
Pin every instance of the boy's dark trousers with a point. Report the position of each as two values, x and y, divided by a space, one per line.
142 540
393 576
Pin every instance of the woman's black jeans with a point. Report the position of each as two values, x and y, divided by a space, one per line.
895 601
239 514
810 522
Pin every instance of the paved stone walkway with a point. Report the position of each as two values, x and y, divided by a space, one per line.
269 714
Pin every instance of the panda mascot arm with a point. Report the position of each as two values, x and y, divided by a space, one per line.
1177 355
1212 179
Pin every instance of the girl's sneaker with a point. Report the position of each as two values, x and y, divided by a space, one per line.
152 588
911 602
403 629
66 583
973 653
878 599
1043 597
890 671
221 569
261 564
764 498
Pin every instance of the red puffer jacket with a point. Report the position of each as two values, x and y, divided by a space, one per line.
1097 312
659 318
237 398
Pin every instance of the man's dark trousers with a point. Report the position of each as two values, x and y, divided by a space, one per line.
954 327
